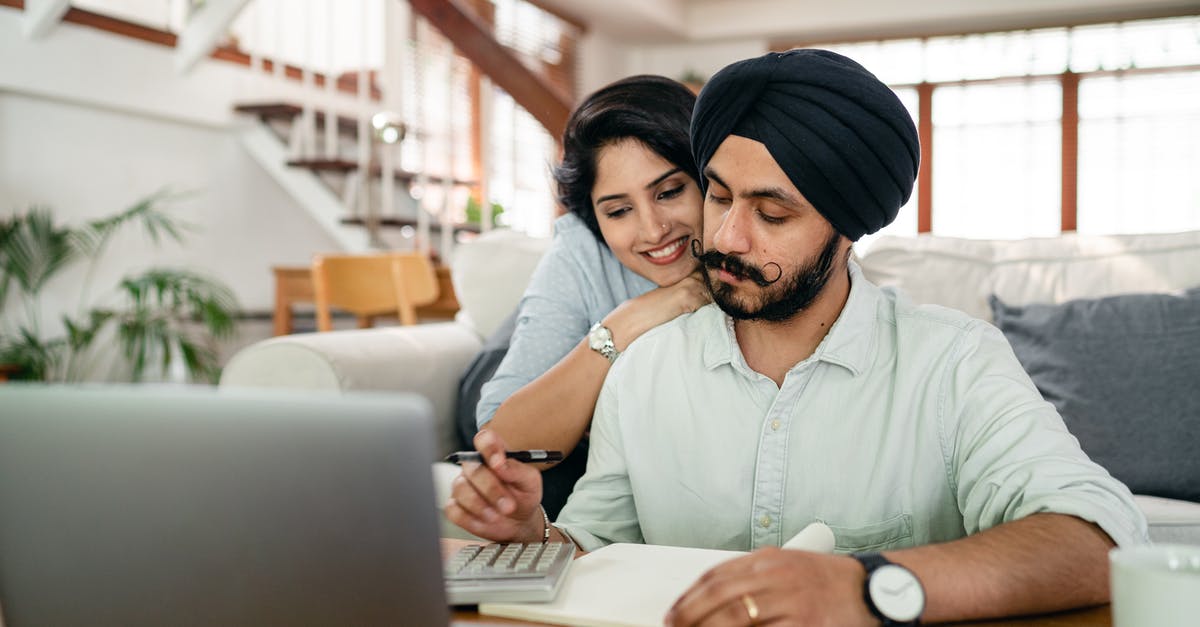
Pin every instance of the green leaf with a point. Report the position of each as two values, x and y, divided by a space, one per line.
34 249
148 212
36 359
161 304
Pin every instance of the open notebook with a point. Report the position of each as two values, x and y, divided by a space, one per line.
620 584
630 585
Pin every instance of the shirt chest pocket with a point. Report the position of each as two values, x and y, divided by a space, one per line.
895 532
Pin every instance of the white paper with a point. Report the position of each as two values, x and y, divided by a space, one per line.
620 585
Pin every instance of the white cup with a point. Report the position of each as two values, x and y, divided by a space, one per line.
1155 585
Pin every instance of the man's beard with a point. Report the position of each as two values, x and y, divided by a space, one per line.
776 303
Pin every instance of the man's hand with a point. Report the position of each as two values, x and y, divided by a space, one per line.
784 587
500 501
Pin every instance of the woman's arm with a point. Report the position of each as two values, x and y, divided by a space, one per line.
554 410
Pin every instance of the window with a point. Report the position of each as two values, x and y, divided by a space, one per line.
1112 110
997 159
1139 153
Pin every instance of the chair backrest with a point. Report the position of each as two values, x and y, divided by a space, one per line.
372 285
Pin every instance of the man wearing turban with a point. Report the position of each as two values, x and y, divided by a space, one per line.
805 393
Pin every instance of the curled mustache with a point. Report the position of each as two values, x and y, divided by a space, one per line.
733 265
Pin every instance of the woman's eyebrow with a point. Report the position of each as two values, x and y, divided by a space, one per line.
662 177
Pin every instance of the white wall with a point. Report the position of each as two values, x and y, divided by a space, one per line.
709 34
604 59
706 59
809 21
87 162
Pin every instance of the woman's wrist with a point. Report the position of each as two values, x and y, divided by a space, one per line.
623 333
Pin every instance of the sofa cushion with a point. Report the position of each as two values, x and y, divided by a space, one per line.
425 359
1170 520
490 275
1123 372
962 273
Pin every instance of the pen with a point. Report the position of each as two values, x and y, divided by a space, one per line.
534 456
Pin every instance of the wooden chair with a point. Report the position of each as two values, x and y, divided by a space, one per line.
372 285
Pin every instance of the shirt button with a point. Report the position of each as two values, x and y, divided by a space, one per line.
765 521
775 425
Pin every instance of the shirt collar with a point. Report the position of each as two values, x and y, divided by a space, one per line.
848 344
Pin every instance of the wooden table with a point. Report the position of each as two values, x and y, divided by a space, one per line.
1091 617
294 285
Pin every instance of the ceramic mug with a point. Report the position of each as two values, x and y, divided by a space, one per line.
1156 585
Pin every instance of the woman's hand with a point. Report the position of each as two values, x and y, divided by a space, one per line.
500 501
635 316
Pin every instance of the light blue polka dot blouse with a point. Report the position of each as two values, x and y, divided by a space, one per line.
575 285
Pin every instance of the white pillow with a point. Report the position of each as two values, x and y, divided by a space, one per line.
490 274
962 273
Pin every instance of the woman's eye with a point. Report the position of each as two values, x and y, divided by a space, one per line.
670 193
771 219
616 213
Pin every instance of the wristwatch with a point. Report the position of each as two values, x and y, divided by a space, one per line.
600 340
892 592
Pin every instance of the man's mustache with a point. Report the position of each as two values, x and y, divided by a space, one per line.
733 265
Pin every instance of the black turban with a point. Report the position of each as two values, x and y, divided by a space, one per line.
842 136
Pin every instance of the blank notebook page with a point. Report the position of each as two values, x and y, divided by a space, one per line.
626 585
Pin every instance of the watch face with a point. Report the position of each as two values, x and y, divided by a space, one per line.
897 593
597 338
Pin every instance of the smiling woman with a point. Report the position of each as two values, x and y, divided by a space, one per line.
619 266
646 209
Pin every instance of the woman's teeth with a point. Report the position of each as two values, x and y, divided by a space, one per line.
666 251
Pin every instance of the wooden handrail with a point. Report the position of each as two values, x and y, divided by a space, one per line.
158 36
475 41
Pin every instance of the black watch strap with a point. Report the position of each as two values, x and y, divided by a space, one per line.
872 561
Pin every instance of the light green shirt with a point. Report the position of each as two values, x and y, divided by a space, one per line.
908 425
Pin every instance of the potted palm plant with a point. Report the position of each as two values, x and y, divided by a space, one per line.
158 317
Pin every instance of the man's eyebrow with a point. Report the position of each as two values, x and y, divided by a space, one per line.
662 177
709 173
776 194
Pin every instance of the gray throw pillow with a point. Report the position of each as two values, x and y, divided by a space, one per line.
1124 372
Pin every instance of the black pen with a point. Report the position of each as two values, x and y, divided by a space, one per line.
534 456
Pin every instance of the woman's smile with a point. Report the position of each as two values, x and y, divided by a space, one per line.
668 253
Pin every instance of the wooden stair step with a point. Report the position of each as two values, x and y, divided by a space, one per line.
343 166
286 111
394 222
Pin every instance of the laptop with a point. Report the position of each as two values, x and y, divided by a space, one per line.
151 506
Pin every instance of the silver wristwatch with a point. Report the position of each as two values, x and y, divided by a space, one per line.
600 339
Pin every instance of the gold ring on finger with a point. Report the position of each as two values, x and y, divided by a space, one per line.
751 608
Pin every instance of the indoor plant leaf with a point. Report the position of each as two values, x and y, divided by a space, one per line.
35 249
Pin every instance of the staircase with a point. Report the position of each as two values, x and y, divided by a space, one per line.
310 132
340 177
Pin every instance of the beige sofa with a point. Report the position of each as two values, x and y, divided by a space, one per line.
490 275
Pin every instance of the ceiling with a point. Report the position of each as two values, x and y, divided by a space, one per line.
677 21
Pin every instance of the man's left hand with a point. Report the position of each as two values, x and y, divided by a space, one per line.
775 586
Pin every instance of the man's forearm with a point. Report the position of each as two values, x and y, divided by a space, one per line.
1040 563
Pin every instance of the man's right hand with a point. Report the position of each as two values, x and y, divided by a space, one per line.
499 500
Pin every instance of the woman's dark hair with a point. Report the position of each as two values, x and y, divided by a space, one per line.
654 110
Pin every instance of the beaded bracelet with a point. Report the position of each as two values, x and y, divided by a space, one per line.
545 525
